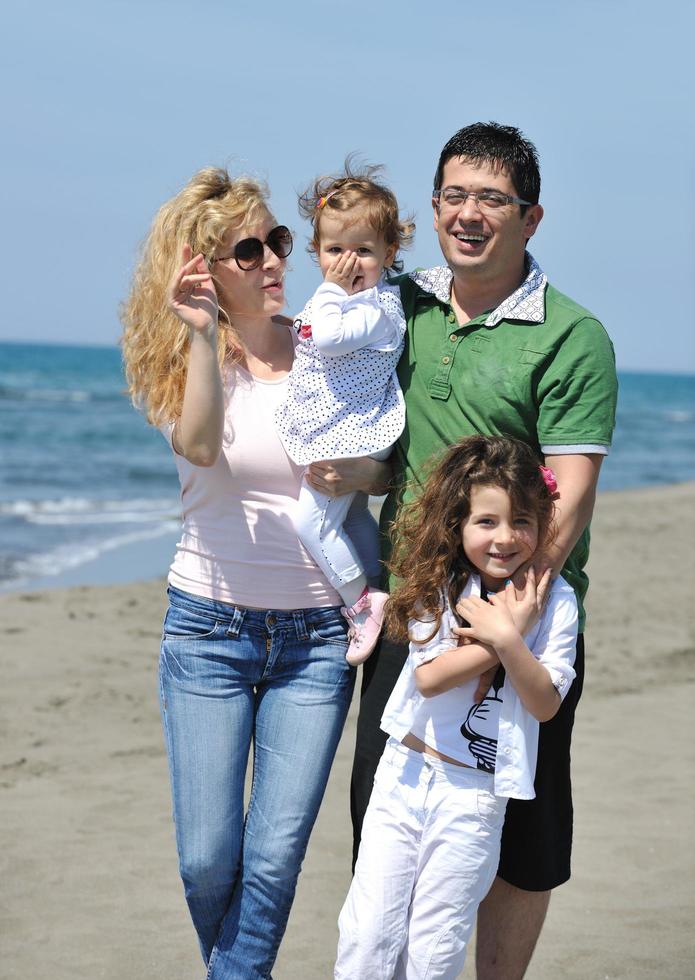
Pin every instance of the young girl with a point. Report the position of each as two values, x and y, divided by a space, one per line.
431 836
343 398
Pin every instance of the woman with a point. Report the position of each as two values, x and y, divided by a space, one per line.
254 643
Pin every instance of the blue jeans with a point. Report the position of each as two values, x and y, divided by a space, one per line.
228 676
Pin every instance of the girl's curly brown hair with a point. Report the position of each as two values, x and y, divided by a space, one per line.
428 557
357 189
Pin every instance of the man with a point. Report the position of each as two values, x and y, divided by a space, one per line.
493 348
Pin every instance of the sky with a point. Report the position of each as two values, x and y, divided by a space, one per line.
109 107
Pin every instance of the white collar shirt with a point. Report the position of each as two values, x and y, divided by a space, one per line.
526 303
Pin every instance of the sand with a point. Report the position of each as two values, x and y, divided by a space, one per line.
89 878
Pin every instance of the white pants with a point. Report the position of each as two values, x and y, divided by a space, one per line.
340 534
429 853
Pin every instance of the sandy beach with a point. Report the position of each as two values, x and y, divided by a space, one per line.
90 883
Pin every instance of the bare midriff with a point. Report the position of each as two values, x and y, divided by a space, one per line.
413 742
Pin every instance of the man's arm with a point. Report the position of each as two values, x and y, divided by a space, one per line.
334 477
577 476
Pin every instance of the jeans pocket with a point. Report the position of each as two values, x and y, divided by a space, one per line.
181 624
328 630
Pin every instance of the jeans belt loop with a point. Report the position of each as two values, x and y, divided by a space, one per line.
236 623
300 624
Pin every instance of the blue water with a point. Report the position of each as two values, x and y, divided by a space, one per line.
82 474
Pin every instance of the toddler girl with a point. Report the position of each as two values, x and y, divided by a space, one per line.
431 835
343 398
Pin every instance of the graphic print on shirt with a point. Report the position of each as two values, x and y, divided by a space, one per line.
482 725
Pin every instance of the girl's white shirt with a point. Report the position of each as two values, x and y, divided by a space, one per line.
343 397
552 642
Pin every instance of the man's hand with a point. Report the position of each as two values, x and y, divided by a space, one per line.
335 477
484 682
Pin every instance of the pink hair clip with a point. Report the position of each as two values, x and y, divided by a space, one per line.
323 201
549 478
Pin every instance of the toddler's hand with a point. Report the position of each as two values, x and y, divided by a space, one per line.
344 272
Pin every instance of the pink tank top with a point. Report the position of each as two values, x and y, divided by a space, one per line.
238 543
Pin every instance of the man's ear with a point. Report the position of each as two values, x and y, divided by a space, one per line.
532 219
435 205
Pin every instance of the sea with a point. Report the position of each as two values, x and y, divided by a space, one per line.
89 492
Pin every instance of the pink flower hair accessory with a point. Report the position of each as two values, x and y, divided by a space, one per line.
549 479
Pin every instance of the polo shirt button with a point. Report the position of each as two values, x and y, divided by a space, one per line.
507 751
453 338
452 318
445 360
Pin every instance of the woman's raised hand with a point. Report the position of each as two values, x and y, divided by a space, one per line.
191 294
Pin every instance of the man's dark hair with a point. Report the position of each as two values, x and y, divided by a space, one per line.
505 147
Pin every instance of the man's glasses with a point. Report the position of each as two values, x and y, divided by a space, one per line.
456 197
248 253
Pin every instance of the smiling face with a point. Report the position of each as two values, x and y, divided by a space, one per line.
255 293
496 540
487 245
337 236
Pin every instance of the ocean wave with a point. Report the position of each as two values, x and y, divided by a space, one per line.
83 510
678 415
74 395
67 556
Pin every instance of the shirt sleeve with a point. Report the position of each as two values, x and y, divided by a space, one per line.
421 630
342 323
555 644
578 391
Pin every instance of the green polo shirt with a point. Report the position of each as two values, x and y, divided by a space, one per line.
549 383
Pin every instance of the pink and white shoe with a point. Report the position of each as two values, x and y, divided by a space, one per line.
366 618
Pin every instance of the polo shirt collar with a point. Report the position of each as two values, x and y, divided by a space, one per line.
525 303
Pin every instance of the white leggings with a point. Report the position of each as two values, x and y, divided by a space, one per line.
341 536
429 853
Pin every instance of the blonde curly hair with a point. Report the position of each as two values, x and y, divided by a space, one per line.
155 342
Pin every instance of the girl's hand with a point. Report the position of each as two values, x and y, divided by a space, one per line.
344 271
191 294
490 623
524 599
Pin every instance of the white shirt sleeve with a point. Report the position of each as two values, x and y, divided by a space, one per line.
342 323
555 643
443 639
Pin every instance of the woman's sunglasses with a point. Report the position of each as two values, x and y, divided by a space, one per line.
248 253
